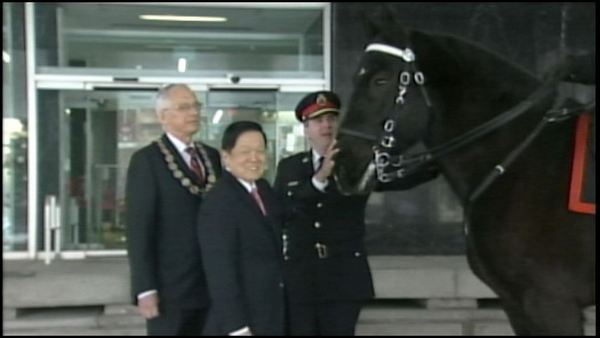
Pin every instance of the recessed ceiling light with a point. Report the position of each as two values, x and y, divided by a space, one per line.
182 65
217 116
183 18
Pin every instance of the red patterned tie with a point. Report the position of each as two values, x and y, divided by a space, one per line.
256 196
195 164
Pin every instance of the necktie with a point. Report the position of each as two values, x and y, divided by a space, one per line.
258 200
319 163
195 164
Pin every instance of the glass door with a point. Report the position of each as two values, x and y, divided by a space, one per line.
88 139
94 71
102 130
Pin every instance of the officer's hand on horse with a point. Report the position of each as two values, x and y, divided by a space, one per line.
328 163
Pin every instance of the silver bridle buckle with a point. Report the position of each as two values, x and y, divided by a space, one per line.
321 250
388 141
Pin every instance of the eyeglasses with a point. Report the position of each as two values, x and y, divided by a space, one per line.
186 107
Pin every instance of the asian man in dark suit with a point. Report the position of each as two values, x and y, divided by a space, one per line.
166 181
239 229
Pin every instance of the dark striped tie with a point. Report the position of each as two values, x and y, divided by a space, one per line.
195 164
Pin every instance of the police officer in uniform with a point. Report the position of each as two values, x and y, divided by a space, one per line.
327 274
328 278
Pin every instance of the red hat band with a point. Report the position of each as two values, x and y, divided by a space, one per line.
308 111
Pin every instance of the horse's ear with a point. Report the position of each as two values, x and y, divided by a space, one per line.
371 25
377 20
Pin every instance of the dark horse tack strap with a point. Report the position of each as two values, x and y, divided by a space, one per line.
555 114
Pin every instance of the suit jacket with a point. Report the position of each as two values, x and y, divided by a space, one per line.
241 249
339 271
161 220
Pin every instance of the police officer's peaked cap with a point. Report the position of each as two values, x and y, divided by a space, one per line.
316 104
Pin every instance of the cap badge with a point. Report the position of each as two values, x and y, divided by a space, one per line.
321 99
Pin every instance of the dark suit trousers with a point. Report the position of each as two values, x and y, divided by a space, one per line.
177 323
323 319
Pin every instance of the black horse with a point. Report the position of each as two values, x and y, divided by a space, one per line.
497 134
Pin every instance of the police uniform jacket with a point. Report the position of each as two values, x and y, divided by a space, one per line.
324 253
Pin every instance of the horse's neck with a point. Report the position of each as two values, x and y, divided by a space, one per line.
466 168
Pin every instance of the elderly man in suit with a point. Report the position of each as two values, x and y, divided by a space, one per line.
166 182
239 229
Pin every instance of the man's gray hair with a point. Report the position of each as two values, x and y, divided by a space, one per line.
162 97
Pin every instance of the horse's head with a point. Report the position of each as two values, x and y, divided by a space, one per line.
388 113
413 86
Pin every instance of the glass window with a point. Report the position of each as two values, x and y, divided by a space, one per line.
273 110
100 131
199 39
14 129
87 137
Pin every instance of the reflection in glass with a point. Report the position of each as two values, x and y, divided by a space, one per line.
105 129
14 130
264 40
272 109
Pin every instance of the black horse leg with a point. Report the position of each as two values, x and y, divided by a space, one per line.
548 315
516 316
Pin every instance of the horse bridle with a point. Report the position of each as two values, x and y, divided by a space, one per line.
390 167
384 159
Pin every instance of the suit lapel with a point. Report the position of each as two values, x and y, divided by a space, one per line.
272 212
249 203
245 197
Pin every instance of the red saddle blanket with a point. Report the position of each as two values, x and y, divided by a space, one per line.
582 196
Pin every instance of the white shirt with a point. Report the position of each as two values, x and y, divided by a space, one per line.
181 147
249 186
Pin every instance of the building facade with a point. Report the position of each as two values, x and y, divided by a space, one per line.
79 83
